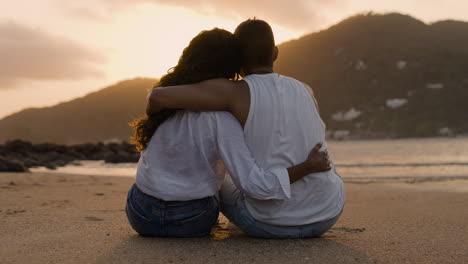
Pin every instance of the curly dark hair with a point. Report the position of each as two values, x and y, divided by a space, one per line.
211 54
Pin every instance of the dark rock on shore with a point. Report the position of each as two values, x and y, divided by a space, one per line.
18 155
12 166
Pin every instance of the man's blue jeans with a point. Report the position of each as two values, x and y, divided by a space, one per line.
233 207
150 216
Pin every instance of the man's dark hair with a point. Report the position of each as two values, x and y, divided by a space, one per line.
256 43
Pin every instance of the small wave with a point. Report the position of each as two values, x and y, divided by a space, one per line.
413 178
402 164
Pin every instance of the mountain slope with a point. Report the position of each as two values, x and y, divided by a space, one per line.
99 116
385 75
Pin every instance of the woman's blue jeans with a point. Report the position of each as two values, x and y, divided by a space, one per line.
150 216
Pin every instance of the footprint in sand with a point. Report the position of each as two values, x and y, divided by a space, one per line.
346 230
9 186
92 218
57 203
14 212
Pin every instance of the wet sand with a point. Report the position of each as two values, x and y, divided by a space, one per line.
53 218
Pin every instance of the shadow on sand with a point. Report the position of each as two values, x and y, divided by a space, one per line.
228 244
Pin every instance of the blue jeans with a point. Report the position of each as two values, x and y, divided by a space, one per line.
150 216
233 207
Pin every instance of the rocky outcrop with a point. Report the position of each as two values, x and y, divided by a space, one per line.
18 155
12 166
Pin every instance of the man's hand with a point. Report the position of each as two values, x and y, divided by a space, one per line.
211 95
318 161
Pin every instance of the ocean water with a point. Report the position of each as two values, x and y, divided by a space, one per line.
428 158
403 158
92 167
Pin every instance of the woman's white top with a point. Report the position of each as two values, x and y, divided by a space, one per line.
282 127
181 161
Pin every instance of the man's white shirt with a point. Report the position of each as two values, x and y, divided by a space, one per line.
282 127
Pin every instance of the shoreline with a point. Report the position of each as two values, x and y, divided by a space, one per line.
352 179
57 218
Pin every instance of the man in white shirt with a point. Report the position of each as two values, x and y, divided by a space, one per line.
281 124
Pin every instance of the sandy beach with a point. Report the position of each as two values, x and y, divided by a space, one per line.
53 218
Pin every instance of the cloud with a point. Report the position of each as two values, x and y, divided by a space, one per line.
89 10
31 54
293 14
86 13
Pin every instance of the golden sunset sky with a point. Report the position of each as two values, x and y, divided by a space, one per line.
56 50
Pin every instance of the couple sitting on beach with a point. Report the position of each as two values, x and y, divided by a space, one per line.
264 130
